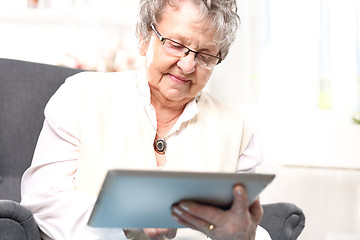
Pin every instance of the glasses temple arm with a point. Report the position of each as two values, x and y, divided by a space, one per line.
156 32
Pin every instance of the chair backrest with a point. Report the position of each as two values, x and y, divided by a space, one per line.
25 88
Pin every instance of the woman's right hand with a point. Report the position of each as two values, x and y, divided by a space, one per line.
151 233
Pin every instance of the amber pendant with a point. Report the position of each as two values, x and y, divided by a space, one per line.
160 146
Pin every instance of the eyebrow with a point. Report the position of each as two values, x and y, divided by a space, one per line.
186 42
179 38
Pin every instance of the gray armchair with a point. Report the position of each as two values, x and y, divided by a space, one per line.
25 88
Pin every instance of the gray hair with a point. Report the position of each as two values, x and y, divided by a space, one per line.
222 14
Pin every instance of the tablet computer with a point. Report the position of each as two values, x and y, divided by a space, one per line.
143 199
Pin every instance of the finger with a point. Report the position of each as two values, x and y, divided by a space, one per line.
240 203
206 213
185 218
256 210
154 233
171 233
151 233
200 225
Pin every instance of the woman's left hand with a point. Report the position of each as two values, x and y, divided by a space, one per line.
239 222
159 233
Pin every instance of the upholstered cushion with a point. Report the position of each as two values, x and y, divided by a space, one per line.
283 221
16 222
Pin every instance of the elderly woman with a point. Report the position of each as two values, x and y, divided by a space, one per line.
155 118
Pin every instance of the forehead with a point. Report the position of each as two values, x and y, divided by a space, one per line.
185 21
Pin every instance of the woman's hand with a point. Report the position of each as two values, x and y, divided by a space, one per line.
150 233
239 222
159 233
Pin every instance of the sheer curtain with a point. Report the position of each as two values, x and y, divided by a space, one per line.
237 79
297 64
294 54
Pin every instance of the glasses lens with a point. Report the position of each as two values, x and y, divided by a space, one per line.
174 48
206 60
178 50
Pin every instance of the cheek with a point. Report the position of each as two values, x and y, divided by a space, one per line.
204 78
156 61
154 65
152 57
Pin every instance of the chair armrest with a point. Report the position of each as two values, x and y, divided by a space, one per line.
17 222
283 221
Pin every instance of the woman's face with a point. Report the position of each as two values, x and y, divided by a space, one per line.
176 81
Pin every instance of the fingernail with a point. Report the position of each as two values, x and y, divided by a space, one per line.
239 192
175 217
177 211
184 206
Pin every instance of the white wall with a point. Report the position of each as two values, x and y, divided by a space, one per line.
92 36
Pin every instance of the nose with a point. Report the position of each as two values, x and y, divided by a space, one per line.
187 63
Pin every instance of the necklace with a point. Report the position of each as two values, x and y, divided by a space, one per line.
160 145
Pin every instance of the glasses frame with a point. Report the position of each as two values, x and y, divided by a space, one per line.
162 39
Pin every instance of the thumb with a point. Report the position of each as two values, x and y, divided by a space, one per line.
240 203
171 234
256 210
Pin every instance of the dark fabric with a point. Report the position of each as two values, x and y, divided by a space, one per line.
10 187
17 222
25 88
283 221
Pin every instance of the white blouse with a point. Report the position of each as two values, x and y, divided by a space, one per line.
48 187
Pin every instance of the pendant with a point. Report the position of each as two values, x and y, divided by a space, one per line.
160 146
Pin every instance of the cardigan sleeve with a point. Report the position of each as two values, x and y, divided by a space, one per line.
48 188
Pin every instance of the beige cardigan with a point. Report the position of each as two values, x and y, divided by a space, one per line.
108 118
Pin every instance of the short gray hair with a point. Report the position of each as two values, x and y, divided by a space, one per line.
222 14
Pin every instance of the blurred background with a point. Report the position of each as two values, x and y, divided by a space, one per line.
294 69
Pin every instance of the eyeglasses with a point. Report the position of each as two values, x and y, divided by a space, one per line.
176 49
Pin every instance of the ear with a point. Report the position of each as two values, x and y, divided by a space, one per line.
143 45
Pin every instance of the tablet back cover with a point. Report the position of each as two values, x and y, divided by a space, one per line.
143 199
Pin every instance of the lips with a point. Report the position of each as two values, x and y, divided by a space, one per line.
179 79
